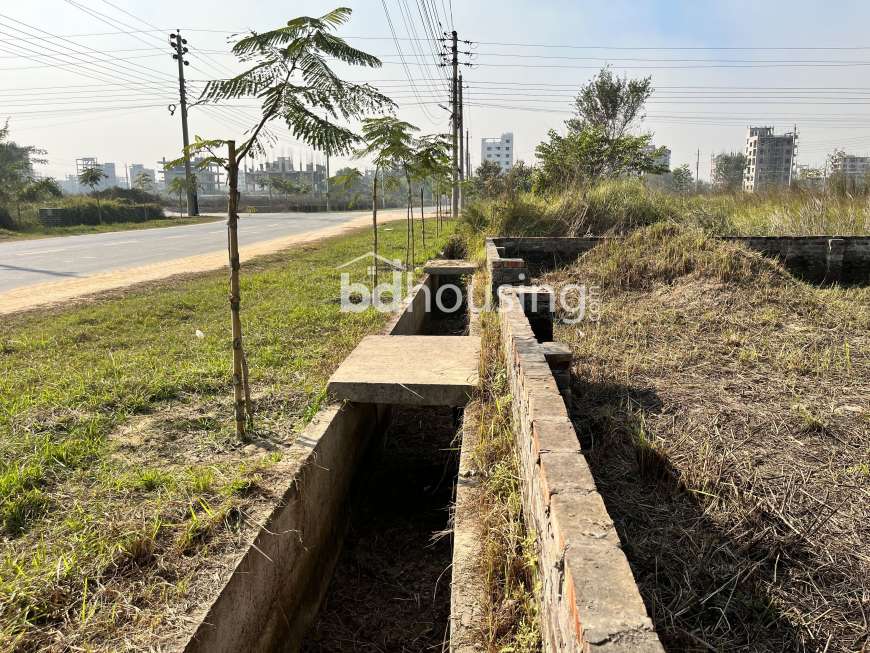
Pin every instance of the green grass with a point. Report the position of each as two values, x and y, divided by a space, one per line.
31 230
121 475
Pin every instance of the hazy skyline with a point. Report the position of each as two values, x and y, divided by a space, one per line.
705 97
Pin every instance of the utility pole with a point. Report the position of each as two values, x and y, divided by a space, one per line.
454 119
178 44
697 171
468 155
461 129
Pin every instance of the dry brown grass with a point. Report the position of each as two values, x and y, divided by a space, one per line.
508 557
726 411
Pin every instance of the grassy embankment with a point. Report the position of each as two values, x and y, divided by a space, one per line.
40 231
118 214
725 408
622 205
123 488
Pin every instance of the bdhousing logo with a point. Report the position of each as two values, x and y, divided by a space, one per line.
573 302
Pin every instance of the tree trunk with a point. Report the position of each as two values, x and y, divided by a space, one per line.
375 227
241 390
422 217
409 249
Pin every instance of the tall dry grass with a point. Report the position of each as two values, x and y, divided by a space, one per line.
622 205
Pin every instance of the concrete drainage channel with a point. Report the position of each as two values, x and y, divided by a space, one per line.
356 555
391 586
347 559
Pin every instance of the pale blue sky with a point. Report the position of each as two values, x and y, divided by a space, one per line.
529 96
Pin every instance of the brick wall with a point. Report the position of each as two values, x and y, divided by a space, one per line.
589 601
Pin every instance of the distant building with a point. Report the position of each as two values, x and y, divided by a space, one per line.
855 169
313 176
770 159
810 178
111 178
500 150
207 178
664 159
137 169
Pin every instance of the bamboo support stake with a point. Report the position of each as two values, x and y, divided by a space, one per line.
235 294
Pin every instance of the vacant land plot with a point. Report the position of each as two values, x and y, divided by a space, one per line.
124 492
726 409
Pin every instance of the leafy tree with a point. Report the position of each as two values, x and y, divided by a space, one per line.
93 177
389 143
347 178
430 160
598 142
682 180
728 171
143 182
16 165
348 181
289 73
178 186
487 181
611 104
34 190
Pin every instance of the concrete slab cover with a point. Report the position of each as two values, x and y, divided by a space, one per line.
449 267
409 370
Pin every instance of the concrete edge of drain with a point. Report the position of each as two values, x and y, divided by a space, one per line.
257 607
466 610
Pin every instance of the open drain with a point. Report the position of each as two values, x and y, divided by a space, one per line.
391 587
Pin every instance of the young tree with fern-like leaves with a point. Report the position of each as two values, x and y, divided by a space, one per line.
93 177
389 142
289 74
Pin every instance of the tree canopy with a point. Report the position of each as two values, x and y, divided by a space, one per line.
16 165
598 141
291 76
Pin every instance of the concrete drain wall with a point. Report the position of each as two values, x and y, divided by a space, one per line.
272 596
818 259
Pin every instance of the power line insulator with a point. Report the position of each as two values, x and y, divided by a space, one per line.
175 56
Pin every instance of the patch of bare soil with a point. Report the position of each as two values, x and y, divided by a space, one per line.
391 587
727 422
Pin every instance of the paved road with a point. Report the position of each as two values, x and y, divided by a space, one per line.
28 262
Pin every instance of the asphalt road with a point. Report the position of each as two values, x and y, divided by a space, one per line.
27 262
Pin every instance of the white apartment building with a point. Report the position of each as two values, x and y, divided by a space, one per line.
853 167
500 150
770 159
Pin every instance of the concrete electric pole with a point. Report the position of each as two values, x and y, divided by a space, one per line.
454 120
462 144
178 44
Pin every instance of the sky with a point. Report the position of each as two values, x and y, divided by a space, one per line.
96 77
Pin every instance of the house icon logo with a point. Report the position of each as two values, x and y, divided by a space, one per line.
376 259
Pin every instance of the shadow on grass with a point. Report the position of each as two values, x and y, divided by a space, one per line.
705 588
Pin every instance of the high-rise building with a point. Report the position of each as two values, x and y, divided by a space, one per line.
770 159
500 150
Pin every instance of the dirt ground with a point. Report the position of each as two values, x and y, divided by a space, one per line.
391 587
